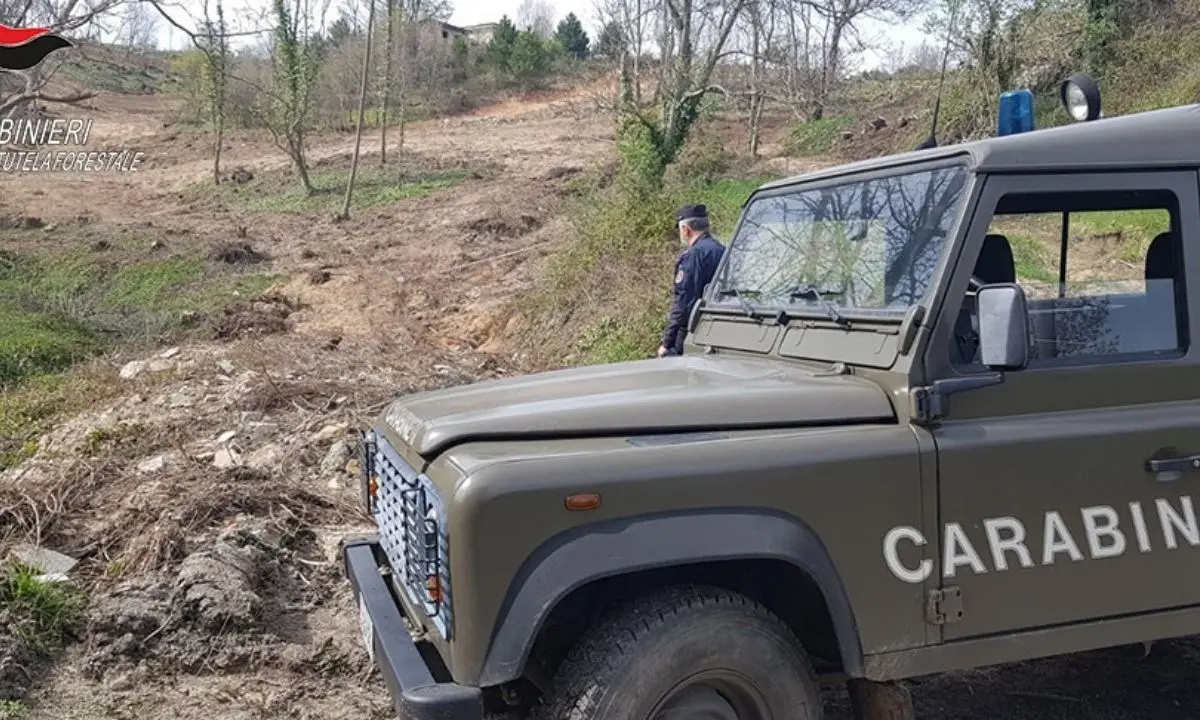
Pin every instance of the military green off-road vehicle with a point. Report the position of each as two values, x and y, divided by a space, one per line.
937 410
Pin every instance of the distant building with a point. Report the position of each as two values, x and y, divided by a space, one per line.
450 32
481 33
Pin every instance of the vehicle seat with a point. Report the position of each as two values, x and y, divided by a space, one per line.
1163 263
1162 258
994 265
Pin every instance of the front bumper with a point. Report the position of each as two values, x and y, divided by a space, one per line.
416 694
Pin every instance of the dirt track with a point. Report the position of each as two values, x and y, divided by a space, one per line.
231 603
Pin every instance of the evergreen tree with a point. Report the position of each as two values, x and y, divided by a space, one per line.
571 36
612 41
502 43
528 58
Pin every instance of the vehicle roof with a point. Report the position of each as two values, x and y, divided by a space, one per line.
1151 139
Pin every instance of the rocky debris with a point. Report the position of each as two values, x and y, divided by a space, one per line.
266 458
52 565
226 458
240 176
265 315
329 432
237 253
152 465
180 400
255 432
136 368
319 277
132 369
21 223
335 460
499 226
215 588
122 622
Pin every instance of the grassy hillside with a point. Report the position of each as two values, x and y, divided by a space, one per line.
609 289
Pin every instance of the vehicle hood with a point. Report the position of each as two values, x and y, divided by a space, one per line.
688 393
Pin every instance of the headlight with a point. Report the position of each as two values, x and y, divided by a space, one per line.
1081 97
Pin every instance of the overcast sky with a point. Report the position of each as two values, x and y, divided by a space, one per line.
471 12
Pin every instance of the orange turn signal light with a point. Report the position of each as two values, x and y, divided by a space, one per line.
586 501
433 587
373 486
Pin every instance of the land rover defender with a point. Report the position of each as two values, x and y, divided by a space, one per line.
937 411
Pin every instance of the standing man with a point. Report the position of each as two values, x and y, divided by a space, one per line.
695 268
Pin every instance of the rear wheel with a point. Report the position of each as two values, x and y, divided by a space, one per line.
691 652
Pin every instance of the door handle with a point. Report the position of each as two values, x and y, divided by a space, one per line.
1175 464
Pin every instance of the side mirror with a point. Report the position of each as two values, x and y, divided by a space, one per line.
1003 327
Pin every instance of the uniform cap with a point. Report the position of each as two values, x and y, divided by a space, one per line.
689 212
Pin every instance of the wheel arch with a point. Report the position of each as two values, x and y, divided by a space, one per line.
587 555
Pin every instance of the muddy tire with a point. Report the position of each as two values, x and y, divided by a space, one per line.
684 652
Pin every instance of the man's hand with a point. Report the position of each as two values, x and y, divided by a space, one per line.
662 350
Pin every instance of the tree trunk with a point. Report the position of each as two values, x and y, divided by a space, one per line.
220 122
386 91
402 100
362 109
755 65
295 142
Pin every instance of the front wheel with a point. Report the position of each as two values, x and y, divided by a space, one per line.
689 652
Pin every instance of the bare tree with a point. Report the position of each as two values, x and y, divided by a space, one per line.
139 28
296 61
212 40
840 19
19 89
538 16
362 108
385 88
760 18
692 40
635 20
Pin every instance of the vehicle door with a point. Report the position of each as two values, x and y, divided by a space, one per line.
1050 508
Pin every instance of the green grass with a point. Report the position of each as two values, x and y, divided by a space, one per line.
617 269
152 284
30 409
43 614
57 309
12 710
818 137
373 186
1095 237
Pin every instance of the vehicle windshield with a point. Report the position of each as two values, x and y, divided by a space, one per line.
869 245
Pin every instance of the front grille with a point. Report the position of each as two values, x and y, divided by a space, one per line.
414 534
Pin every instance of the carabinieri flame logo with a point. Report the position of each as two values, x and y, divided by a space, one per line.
22 48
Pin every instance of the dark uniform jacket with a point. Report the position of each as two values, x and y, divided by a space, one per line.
694 269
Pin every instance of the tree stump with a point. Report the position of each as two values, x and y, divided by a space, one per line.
880 701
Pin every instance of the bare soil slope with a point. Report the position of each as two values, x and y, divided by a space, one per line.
205 495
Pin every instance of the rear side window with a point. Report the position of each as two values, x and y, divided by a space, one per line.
1103 273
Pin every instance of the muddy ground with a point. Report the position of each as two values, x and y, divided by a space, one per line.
206 521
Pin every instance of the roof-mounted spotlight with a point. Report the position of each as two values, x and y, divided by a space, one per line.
1081 97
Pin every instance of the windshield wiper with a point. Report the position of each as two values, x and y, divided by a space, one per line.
810 291
740 295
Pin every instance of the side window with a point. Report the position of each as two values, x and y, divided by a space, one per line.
1103 274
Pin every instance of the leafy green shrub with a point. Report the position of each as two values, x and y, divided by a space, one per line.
818 137
44 614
